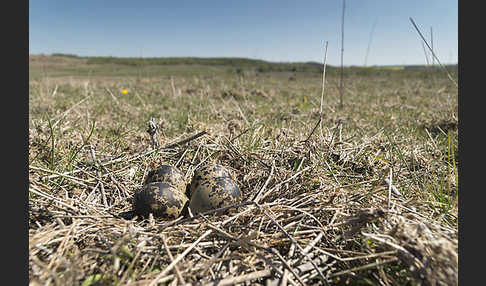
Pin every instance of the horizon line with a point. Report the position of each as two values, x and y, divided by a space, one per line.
225 57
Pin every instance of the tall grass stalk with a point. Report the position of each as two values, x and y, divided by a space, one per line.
425 53
322 92
53 143
432 43
369 43
433 54
341 83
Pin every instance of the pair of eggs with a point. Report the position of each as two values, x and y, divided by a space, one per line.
165 193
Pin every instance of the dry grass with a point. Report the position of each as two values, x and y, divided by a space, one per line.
322 205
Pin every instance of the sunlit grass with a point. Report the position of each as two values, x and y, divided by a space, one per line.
398 122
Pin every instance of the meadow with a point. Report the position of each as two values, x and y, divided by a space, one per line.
365 194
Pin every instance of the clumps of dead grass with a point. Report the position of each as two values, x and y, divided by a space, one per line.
441 126
431 255
299 222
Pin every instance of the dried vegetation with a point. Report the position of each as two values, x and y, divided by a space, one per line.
370 198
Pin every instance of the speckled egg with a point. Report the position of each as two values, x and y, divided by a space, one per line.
212 187
167 174
161 199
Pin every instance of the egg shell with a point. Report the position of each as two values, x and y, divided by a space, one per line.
209 172
213 193
161 199
167 174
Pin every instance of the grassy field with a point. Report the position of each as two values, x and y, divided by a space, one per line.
325 192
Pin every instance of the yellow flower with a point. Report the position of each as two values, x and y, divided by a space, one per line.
124 91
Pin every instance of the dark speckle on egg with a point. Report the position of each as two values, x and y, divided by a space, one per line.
212 187
167 174
161 199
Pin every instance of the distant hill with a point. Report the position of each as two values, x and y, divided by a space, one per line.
244 63
239 64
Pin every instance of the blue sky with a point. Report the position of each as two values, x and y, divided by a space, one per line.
279 31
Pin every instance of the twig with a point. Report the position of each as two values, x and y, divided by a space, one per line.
242 133
182 142
241 278
60 249
61 174
83 216
181 158
214 258
313 243
276 269
283 182
309 247
98 173
71 178
257 196
247 243
393 188
384 253
179 258
179 276
304 212
313 129
367 266
36 191
313 274
287 265
152 131
392 244
107 161
119 187
291 239
285 276
305 267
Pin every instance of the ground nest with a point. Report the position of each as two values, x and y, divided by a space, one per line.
296 224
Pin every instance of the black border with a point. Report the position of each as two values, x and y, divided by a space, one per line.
15 157
471 144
